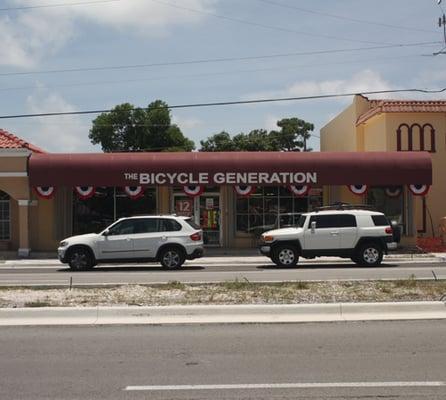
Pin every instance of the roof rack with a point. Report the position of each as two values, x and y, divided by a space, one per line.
346 206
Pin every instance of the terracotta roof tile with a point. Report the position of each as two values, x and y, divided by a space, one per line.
402 106
10 141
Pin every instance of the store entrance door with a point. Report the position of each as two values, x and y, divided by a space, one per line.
205 211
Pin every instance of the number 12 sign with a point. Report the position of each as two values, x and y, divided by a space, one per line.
184 207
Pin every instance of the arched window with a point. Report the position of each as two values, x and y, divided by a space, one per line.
5 216
415 138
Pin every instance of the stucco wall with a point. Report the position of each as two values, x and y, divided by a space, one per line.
340 133
436 198
42 226
13 164
379 133
17 189
375 134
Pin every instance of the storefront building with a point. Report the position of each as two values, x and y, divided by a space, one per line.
401 126
233 196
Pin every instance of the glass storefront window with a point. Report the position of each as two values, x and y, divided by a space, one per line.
265 208
392 207
107 205
204 210
5 216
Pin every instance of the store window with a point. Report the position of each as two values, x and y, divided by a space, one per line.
5 216
107 205
271 207
391 207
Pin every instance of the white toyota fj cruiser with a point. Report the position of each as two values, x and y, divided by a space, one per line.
349 232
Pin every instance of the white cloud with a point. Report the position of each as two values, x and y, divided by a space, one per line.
29 35
187 123
144 16
363 81
270 122
59 133
27 38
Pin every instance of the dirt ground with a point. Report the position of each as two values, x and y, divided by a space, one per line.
233 292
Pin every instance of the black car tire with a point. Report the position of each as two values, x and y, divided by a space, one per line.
80 259
370 254
172 257
285 255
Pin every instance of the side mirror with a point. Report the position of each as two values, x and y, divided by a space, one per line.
313 226
106 233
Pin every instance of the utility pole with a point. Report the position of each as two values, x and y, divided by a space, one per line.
442 24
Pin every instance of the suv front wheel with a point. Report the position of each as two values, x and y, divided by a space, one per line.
369 254
80 259
285 256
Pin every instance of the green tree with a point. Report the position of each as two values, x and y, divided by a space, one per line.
219 142
293 134
256 140
126 128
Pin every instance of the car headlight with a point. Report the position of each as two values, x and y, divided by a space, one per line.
268 238
63 243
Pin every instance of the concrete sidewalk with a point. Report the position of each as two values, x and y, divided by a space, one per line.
223 314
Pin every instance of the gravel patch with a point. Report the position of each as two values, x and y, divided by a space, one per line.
234 292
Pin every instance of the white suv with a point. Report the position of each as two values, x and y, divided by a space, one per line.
167 239
362 235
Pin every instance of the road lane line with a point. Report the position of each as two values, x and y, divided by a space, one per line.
303 385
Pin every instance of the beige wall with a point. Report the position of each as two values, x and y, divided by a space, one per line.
340 133
43 220
13 164
378 133
375 134
435 200
17 189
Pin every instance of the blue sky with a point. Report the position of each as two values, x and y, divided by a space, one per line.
132 32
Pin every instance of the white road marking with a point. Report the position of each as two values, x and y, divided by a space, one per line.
288 386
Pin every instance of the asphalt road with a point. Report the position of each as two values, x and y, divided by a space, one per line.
368 360
254 269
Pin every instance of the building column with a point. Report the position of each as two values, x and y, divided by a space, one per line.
24 248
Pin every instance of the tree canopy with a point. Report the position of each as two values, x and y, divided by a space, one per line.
128 128
292 136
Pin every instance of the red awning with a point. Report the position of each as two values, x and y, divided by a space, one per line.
256 168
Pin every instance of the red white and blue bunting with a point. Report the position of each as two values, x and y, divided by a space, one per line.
85 192
359 190
244 190
193 190
299 190
419 190
45 192
393 191
134 192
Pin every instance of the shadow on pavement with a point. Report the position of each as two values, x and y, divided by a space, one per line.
325 266
144 268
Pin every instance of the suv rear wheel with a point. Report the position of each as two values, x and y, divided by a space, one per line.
80 259
172 257
369 254
285 255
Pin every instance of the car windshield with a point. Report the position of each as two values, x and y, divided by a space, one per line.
301 222
288 220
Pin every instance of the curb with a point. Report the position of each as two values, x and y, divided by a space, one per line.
226 314
242 261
